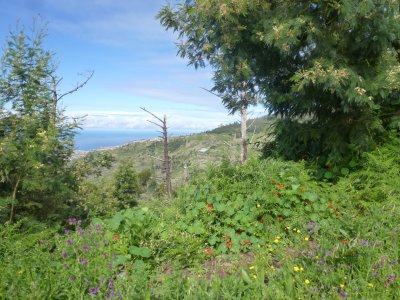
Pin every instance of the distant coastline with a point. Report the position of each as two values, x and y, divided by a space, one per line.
98 139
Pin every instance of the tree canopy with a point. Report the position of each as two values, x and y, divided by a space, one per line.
329 69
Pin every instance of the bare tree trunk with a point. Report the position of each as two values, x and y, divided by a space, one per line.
14 198
167 161
243 142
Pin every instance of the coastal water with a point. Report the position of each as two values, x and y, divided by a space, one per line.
95 138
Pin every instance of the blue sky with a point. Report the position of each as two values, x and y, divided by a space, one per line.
134 60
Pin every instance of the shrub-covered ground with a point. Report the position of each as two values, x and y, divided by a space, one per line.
266 230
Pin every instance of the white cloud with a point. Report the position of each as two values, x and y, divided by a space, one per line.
183 120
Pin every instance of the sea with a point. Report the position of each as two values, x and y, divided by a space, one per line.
89 139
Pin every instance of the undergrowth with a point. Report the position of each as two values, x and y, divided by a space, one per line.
266 230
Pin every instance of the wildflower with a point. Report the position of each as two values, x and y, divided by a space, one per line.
64 255
116 236
209 207
251 267
83 262
276 241
301 269
345 242
67 232
255 276
228 244
208 251
306 238
370 285
298 231
94 291
273 181
258 205
72 221
343 295
342 286
280 185
307 281
288 227
296 269
69 242
226 237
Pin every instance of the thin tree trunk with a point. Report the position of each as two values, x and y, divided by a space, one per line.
14 198
243 144
167 162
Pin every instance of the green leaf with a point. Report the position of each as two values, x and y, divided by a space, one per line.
140 251
344 171
310 196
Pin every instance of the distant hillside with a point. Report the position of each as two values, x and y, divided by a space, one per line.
196 151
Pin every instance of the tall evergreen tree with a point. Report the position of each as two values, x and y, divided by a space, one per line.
36 140
330 69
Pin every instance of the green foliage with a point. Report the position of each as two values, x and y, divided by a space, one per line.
126 186
330 70
36 140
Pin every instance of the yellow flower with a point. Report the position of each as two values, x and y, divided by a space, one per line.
255 276
251 267
276 241
318 257
296 269
342 286
345 277
288 227
370 285
306 238
302 269
278 237
258 205
298 231
307 281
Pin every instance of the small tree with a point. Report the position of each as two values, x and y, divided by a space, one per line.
126 186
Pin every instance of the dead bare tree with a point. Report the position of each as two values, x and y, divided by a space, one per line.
162 123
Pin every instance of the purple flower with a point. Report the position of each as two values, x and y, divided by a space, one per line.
98 227
69 242
343 295
110 282
392 277
85 248
311 224
83 261
102 280
64 255
94 291
395 262
79 222
67 232
71 221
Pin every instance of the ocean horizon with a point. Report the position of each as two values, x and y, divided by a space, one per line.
89 139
